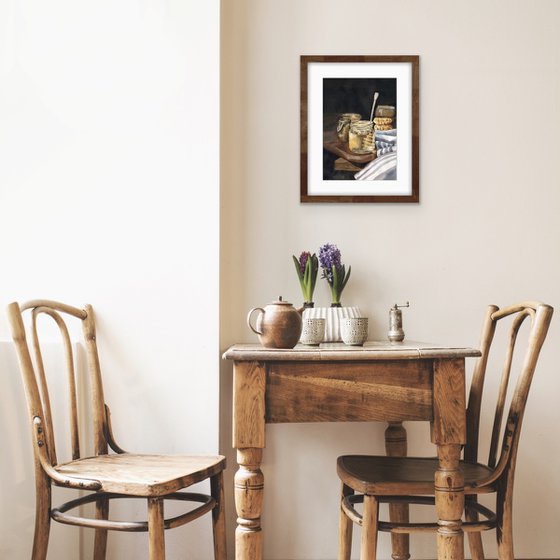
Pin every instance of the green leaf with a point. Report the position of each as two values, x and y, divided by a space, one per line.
306 282
345 281
314 270
307 272
300 277
334 276
298 270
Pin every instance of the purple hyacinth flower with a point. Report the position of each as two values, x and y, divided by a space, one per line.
303 258
329 257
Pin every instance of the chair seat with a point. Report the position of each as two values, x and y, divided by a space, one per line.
404 476
144 475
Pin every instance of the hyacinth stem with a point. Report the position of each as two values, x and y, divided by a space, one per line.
335 293
308 277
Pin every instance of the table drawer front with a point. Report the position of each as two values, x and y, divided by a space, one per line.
358 391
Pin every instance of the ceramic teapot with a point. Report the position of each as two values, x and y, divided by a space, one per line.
278 324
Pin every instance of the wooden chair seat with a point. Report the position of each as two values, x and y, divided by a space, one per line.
403 476
143 475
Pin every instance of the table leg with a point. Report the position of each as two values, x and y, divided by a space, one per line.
448 433
450 503
395 446
248 439
249 487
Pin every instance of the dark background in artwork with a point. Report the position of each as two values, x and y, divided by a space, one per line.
355 95
351 95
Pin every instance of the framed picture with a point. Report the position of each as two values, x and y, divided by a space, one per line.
359 129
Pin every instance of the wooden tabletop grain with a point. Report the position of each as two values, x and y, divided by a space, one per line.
371 350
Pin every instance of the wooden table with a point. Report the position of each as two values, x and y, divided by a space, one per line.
332 383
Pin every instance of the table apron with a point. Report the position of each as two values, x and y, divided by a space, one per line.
395 390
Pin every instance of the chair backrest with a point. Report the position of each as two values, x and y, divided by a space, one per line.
502 457
35 377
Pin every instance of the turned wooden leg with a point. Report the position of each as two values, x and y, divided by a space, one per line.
156 531
448 432
475 538
450 503
100 544
368 548
42 516
249 486
218 517
345 528
249 383
395 446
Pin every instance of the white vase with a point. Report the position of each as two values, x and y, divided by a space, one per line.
333 316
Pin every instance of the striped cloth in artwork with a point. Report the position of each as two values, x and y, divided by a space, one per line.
386 141
380 169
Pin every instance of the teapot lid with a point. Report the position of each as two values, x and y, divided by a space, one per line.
279 301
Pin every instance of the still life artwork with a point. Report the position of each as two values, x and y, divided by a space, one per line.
359 129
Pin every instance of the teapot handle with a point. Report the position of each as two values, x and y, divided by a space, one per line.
249 318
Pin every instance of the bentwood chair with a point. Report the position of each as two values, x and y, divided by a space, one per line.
372 480
155 478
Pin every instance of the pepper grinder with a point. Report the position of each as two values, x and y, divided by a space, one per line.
396 333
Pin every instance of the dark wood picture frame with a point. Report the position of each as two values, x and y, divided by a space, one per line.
328 166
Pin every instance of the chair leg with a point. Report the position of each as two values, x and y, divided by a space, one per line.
100 544
504 528
345 528
369 528
156 529
400 542
218 517
42 517
475 538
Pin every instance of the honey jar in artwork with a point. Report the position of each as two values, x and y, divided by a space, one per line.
343 125
361 137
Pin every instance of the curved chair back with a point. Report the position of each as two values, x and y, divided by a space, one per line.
502 458
35 377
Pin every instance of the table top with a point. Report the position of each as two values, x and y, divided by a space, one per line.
333 351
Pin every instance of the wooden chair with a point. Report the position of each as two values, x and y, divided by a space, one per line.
110 476
372 480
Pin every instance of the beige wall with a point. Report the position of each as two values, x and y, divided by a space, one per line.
486 229
106 198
